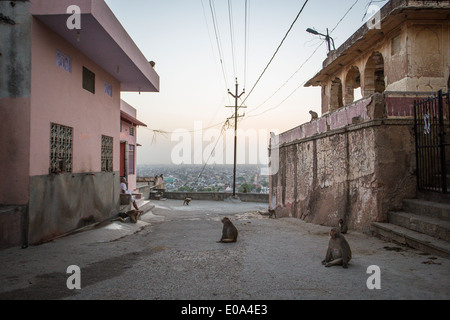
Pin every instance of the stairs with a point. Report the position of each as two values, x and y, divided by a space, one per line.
144 205
424 224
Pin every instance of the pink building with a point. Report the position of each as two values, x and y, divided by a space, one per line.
60 108
128 143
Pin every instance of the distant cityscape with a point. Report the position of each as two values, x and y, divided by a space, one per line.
210 178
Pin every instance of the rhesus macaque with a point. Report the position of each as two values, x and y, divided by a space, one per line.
134 215
338 252
229 231
187 199
272 213
313 114
343 226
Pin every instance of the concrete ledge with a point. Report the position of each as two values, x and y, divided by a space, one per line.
424 224
13 226
427 208
125 199
413 239
218 196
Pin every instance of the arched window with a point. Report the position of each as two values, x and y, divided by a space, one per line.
336 100
352 83
374 75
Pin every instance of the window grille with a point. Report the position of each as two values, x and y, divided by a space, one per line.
132 131
61 138
107 153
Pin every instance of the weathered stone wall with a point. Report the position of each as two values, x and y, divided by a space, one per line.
358 172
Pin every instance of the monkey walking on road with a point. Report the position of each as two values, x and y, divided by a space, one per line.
229 231
187 199
338 252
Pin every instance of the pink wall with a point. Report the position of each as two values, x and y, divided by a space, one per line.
58 96
125 136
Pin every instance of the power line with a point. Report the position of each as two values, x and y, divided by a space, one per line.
163 132
216 30
276 51
339 22
301 66
247 17
230 18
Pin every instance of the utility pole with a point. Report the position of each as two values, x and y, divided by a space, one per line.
236 108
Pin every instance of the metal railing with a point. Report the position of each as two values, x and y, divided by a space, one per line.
431 125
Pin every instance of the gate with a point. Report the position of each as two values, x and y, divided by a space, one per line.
431 124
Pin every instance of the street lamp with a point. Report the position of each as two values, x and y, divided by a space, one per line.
327 37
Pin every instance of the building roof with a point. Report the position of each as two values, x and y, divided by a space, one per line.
391 15
128 118
102 39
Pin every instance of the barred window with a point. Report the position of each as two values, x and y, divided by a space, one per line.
131 131
61 138
107 153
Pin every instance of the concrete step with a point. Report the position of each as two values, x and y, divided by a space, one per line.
138 195
144 205
431 226
413 239
434 196
427 208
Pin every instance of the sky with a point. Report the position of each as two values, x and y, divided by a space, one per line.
200 47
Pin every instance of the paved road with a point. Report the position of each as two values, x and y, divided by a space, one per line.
172 254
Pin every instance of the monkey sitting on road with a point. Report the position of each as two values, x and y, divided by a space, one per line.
338 252
229 231
343 226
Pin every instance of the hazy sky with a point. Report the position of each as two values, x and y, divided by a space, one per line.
179 35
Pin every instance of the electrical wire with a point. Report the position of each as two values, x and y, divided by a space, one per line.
301 66
219 47
247 17
276 51
230 18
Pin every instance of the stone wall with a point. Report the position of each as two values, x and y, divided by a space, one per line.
218 196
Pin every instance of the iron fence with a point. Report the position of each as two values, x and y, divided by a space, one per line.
432 145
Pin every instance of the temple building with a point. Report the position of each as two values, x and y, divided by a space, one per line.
357 161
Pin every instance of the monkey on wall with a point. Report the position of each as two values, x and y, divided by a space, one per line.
338 252
314 115
229 231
